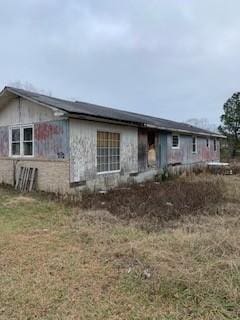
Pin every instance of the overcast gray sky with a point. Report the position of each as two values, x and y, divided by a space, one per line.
175 59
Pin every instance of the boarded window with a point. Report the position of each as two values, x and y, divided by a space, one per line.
194 144
175 141
108 151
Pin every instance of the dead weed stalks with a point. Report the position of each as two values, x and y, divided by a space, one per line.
159 202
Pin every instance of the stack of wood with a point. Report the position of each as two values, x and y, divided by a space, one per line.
26 179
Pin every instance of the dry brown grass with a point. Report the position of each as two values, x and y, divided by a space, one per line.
62 263
153 204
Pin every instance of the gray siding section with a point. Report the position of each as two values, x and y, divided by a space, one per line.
22 111
52 140
4 142
163 150
83 148
51 133
184 154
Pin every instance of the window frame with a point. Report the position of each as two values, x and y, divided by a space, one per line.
176 135
11 142
196 147
108 155
21 128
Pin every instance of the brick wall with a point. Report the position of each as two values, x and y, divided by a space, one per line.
6 171
53 176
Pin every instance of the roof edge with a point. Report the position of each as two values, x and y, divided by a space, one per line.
79 115
11 90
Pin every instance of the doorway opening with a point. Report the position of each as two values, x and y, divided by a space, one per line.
152 156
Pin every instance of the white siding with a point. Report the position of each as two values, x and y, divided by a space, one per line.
83 148
21 111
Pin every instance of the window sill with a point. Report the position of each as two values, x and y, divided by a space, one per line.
21 157
175 148
108 172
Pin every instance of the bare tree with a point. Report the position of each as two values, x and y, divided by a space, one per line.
203 123
29 87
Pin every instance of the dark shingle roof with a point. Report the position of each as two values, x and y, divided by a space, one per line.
93 110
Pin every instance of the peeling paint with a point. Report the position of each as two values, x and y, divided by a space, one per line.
83 148
52 140
48 130
184 154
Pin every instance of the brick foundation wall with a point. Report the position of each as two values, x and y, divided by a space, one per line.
6 171
53 176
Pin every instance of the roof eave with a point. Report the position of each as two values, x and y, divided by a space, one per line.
210 134
135 124
104 119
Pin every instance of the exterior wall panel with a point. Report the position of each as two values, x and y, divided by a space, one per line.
4 141
163 150
53 176
22 111
83 147
51 140
142 149
184 154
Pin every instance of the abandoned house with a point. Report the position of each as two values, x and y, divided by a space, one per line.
75 145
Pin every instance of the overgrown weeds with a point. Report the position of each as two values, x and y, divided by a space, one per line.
159 202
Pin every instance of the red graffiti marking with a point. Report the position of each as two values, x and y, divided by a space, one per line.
45 131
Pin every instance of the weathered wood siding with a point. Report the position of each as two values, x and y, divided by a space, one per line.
184 154
142 149
51 135
4 141
83 148
51 140
22 111
162 150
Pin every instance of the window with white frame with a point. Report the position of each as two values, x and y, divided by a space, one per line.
21 141
215 144
194 144
175 141
108 151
